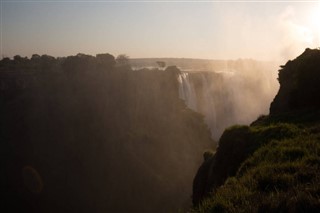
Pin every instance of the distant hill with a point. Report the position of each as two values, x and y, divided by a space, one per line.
273 165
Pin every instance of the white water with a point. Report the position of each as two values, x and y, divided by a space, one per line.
187 91
227 98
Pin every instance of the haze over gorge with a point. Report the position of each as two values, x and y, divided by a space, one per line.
226 92
97 135
159 106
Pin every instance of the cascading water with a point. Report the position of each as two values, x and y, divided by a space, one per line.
226 98
187 91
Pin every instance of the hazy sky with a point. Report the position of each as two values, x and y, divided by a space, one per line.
191 29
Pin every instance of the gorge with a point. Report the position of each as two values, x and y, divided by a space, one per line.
228 97
84 133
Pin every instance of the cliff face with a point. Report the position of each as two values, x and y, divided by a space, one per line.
299 84
272 165
99 139
226 98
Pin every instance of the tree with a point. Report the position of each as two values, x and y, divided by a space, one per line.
123 61
17 58
173 69
105 61
161 64
35 57
5 61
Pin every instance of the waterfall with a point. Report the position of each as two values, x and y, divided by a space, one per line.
226 98
210 108
198 99
187 91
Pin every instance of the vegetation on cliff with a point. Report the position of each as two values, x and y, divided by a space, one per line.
87 134
273 165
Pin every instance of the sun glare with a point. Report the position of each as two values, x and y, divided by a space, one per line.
315 16
315 23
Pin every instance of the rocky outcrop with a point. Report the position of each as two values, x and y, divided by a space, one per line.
299 83
299 90
214 171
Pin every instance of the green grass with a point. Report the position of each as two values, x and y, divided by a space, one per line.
281 175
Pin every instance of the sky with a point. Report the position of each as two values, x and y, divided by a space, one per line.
264 30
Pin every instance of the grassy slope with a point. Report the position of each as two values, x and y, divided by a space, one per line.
273 164
282 174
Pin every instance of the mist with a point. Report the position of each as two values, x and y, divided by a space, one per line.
127 131
237 94
225 92
87 133
117 138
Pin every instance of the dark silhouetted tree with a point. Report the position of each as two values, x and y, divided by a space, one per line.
35 57
161 64
105 61
173 69
47 63
123 61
